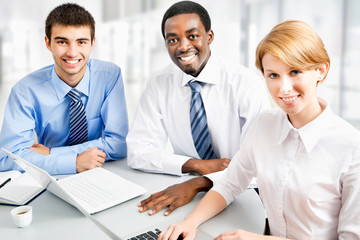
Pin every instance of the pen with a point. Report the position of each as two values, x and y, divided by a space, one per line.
3 184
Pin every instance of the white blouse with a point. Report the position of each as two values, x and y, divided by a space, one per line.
309 178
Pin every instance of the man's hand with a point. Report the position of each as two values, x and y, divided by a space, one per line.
40 149
204 167
175 195
90 158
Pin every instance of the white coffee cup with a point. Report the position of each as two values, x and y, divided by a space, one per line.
22 216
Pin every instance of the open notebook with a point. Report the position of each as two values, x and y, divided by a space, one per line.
92 191
18 188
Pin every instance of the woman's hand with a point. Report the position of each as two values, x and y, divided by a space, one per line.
240 235
184 229
244 235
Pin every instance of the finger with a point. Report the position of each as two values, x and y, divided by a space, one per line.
164 235
147 204
171 208
220 237
102 154
155 201
101 160
229 233
92 163
143 202
158 204
232 237
175 234
175 204
226 235
150 198
98 152
159 207
96 159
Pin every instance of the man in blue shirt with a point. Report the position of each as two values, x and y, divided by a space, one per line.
39 104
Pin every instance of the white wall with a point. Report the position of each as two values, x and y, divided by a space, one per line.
128 33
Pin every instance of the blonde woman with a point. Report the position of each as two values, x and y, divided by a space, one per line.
306 159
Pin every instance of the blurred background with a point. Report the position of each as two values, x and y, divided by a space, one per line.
128 33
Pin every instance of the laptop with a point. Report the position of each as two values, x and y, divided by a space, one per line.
59 189
94 190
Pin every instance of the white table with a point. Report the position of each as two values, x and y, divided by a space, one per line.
55 219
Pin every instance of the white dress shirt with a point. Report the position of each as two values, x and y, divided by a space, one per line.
308 178
232 96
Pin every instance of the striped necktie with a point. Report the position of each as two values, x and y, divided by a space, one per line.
199 128
78 124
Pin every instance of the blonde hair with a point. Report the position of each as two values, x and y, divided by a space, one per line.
294 43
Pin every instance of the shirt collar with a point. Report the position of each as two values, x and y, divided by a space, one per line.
210 74
61 88
286 127
311 132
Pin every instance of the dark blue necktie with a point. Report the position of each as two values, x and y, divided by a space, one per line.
78 123
199 128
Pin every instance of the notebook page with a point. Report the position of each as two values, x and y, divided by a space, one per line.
21 189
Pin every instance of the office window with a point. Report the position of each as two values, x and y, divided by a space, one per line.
338 24
351 64
128 33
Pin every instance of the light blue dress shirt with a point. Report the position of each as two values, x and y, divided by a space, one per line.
38 107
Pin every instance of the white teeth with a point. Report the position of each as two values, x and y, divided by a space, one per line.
187 58
289 99
72 62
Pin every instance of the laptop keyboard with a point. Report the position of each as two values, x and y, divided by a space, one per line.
85 190
151 235
147 236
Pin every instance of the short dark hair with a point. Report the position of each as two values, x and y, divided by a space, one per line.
185 7
69 14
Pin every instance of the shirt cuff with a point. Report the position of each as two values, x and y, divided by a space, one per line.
66 160
174 164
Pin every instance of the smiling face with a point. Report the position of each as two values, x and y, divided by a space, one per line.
293 90
70 47
188 42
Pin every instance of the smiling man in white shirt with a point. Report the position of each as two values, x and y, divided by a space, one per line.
232 97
